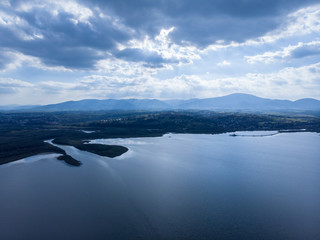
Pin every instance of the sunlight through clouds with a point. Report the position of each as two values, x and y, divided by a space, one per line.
94 49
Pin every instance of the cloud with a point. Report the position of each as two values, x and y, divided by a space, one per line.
160 49
122 68
301 22
306 50
300 50
288 83
224 63
11 86
10 60
78 34
10 82
150 58
5 59
79 49
60 36
203 22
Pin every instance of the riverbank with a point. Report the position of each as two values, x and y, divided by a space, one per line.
23 134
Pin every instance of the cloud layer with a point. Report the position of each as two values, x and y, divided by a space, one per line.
164 49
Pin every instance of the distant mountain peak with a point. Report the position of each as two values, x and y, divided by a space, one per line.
231 102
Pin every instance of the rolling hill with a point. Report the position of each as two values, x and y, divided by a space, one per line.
232 102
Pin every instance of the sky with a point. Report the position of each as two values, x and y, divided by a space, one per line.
53 51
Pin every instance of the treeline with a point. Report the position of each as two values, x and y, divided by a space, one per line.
22 134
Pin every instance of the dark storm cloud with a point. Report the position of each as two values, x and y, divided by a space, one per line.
63 43
80 44
203 22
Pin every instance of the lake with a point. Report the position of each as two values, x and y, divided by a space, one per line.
179 186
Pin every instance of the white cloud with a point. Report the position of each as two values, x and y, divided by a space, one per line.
117 67
271 57
10 82
163 45
11 20
160 44
19 25
10 86
224 63
27 32
181 76
5 3
288 83
18 60
79 12
302 22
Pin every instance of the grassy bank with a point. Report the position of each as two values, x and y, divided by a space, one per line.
23 134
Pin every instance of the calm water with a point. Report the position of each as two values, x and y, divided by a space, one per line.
179 186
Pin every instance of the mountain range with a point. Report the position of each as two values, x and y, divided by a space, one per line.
232 102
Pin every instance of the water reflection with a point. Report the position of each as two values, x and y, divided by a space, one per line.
179 186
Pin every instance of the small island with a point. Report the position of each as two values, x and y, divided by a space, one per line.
70 160
24 134
110 151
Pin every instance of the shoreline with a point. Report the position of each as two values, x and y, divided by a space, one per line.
22 135
112 151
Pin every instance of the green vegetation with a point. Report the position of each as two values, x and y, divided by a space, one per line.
18 147
70 160
23 134
103 150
